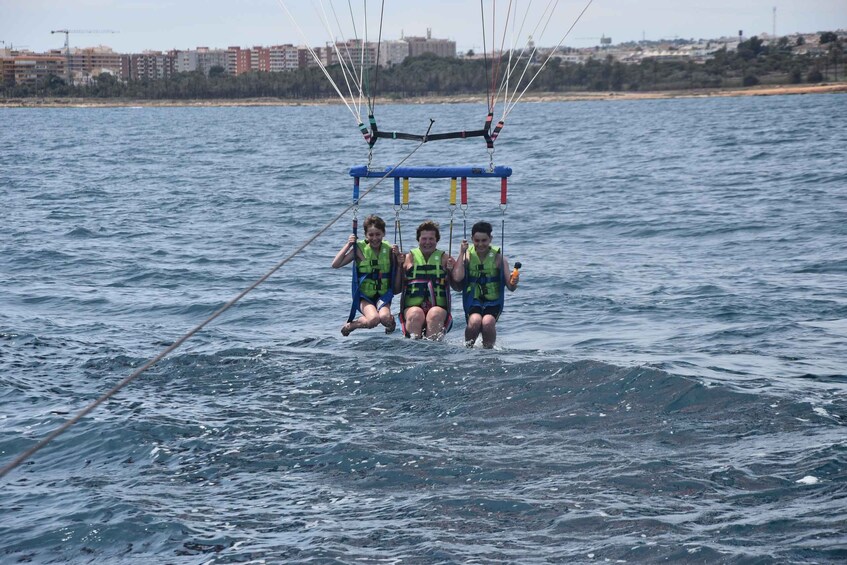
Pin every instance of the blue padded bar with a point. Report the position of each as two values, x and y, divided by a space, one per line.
432 172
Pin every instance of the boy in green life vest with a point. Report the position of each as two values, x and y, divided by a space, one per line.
482 270
378 265
427 279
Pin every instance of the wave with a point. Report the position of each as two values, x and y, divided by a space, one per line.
835 266
434 432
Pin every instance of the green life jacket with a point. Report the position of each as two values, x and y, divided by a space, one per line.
374 270
426 281
484 281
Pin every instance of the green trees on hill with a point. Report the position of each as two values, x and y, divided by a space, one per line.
751 63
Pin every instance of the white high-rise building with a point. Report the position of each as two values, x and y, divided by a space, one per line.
393 52
284 58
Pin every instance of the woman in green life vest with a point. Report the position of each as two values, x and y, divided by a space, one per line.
482 270
377 260
427 279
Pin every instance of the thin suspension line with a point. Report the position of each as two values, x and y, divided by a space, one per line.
549 10
361 79
518 60
348 69
507 75
485 55
500 54
114 390
347 65
495 64
378 53
352 18
365 73
320 64
544 64
505 81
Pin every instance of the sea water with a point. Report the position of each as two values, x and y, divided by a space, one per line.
668 383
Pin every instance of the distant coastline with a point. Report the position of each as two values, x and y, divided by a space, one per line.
827 88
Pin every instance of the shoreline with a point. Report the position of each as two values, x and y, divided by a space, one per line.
455 99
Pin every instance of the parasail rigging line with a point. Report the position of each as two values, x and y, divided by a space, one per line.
504 82
529 57
357 76
485 55
511 85
545 18
372 102
500 53
514 100
348 67
352 18
511 68
364 73
317 59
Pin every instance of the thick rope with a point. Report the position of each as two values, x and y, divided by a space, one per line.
88 409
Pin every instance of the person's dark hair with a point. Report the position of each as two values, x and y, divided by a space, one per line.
428 225
481 227
375 221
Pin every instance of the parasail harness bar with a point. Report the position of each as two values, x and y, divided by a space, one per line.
373 134
432 172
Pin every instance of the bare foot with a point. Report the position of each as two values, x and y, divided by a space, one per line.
389 328
346 329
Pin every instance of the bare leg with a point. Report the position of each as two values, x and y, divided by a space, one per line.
415 319
473 329
368 319
387 319
435 320
489 331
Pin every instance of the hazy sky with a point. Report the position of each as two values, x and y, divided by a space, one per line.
186 24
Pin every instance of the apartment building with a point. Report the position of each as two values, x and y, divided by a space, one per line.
28 69
353 52
305 59
238 60
233 60
149 65
260 59
420 45
393 52
208 58
85 63
284 58
185 61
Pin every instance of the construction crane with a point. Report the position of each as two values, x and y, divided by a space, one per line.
67 33
11 46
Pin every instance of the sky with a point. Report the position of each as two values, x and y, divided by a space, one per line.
161 25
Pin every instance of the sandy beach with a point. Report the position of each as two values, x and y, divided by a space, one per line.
529 97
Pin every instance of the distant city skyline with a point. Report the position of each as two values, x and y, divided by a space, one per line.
161 25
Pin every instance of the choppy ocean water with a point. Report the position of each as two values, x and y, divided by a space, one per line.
669 383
